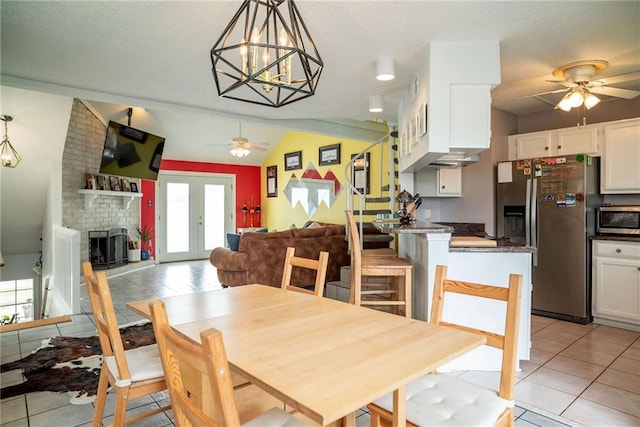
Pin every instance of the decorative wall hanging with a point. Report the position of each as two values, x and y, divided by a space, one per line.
329 155
293 161
272 181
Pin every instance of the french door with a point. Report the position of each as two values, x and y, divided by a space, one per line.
196 212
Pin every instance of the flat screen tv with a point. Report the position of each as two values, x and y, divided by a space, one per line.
131 152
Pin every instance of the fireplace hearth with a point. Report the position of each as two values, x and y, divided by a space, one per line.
108 249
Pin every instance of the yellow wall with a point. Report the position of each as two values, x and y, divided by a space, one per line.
277 213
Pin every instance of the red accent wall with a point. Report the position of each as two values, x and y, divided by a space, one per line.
247 185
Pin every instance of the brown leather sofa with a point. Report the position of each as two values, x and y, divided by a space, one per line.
260 256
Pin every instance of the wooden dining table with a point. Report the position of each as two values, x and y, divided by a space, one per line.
321 357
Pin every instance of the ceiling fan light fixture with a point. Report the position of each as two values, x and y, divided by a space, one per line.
385 69
565 104
376 104
239 152
590 100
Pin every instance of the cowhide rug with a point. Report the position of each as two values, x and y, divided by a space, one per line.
70 365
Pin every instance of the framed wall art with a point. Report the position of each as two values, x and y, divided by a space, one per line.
293 161
360 173
272 181
329 155
134 187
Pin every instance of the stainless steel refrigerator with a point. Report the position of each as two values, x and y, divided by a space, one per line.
550 204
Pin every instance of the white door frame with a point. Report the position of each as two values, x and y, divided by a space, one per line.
160 207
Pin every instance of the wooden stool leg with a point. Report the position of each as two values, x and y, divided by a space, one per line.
407 293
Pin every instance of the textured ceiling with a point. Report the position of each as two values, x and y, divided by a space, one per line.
156 55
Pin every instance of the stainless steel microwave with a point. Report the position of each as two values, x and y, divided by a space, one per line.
618 220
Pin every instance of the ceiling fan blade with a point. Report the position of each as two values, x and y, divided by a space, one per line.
615 92
562 82
257 147
635 75
544 93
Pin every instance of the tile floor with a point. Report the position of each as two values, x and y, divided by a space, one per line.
578 374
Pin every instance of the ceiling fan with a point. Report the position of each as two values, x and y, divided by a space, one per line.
241 147
581 89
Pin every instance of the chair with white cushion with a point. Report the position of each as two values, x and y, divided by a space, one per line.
183 358
443 400
131 373
320 265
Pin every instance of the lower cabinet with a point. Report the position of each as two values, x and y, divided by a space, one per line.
616 281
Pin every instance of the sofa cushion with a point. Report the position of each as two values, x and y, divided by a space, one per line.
233 240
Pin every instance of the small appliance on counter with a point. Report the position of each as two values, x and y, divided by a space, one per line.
622 220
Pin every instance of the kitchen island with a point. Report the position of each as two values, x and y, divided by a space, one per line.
427 245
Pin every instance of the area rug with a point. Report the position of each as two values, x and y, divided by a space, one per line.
69 364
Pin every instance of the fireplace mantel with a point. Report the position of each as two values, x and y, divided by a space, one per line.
91 195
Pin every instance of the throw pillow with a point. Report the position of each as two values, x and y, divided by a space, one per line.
234 241
314 224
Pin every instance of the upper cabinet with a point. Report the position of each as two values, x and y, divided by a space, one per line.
556 142
620 167
438 182
446 111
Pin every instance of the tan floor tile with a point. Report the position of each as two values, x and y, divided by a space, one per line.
526 368
539 322
586 353
575 367
636 343
632 353
619 379
613 397
560 336
572 328
547 345
593 415
627 365
540 357
542 397
615 335
590 342
559 381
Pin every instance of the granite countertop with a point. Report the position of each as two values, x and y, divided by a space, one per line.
502 246
418 227
617 237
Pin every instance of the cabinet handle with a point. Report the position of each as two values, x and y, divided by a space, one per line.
546 148
559 147
638 268
444 186
618 250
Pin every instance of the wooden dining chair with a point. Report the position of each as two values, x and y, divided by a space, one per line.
373 252
438 399
320 265
395 292
131 373
181 356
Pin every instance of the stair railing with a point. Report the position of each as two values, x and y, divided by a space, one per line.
360 196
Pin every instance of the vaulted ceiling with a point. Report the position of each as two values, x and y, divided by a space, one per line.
156 55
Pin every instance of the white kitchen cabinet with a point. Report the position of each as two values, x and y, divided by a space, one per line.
620 168
616 281
438 182
556 142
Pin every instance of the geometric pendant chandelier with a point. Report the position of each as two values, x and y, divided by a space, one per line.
266 55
